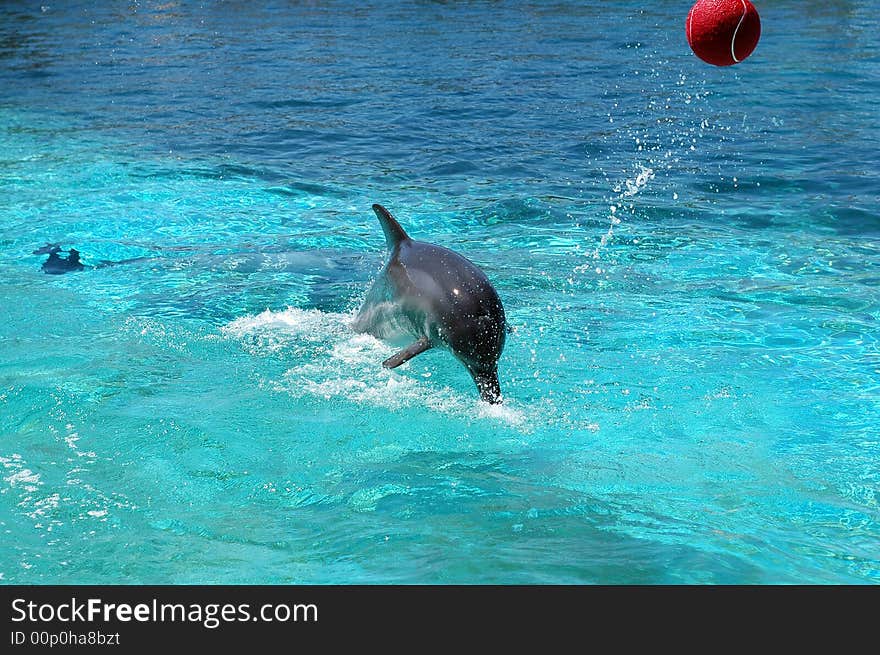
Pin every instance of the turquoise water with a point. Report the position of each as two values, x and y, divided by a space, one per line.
690 258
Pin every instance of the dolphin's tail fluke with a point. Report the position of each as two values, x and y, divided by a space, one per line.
394 234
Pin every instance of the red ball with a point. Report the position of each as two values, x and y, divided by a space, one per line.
723 32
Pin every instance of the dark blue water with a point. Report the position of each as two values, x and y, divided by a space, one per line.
690 258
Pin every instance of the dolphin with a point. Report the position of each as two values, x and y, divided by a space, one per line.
429 296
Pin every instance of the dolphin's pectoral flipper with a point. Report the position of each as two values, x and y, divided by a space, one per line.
413 349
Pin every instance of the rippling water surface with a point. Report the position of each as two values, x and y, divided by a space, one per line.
690 258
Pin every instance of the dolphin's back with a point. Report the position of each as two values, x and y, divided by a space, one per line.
454 291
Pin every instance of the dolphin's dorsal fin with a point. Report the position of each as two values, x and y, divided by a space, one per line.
394 234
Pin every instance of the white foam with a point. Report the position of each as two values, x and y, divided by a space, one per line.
44 508
338 363
24 478
504 413
20 475
311 324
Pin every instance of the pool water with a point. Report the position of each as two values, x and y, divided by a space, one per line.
689 257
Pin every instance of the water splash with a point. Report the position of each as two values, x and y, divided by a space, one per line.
340 364
629 188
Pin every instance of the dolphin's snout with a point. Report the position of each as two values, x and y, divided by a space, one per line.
488 386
